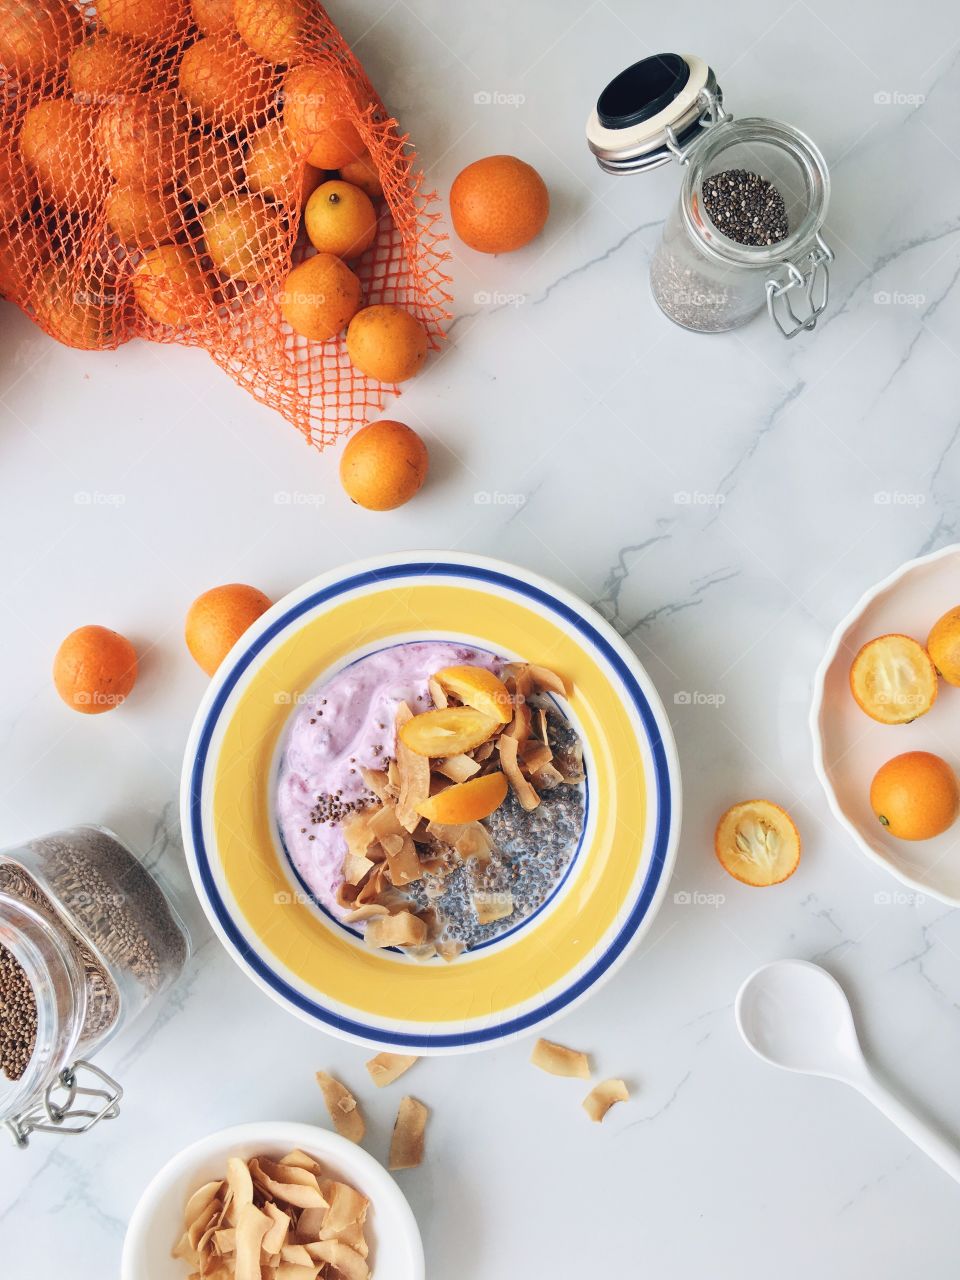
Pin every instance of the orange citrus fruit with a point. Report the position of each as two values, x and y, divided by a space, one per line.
315 100
448 731
479 688
37 35
217 619
57 145
213 17
142 218
224 83
169 287
78 314
95 669
383 466
271 164
244 237
943 645
893 679
387 343
144 19
272 28
23 249
498 204
466 801
103 67
340 218
138 137
363 173
758 843
207 167
915 795
319 297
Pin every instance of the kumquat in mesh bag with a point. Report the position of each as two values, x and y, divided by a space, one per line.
156 161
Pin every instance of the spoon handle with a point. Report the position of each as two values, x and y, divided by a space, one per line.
920 1131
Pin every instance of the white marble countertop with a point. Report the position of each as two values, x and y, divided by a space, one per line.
716 497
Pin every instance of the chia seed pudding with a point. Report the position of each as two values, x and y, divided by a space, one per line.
343 736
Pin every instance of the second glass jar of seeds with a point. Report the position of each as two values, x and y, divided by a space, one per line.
746 232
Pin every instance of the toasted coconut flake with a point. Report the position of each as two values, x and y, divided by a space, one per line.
301 1160
291 1271
276 1237
239 1182
414 775
369 911
252 1226
346 894
437 693
372 887
288 1184
387 1067
548 681
559 1060
310 1224
457 768
400 930
519 726
534 755
544 728
347 1207
447 833
377 781
341 1104
403 862
296 1253
201 1199
547 777
603 1096
485 750
508 758
475 842
449 951
406 1145
354 868
225 1240
346 1261
492 906
357 833
386 823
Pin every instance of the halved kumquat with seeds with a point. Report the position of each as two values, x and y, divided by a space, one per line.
466 801
447 732
757 843
479 688
893 679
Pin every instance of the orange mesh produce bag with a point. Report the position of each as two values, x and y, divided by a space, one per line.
153 163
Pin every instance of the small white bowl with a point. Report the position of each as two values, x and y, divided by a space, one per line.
396 1250
849 747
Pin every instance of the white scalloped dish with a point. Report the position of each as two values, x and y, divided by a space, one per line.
849 747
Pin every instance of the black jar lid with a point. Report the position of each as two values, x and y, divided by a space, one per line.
654 102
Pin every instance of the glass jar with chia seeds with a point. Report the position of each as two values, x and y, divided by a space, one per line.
746 232
88 940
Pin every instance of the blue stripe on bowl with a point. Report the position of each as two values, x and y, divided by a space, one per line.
512 1026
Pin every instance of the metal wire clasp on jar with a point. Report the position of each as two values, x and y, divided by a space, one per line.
745 232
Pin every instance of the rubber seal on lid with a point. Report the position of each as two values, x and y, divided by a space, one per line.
642 90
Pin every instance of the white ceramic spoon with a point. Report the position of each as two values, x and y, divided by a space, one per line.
795 1015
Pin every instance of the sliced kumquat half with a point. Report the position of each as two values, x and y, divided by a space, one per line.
447 732
758 843
893 679
466 801
478 688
